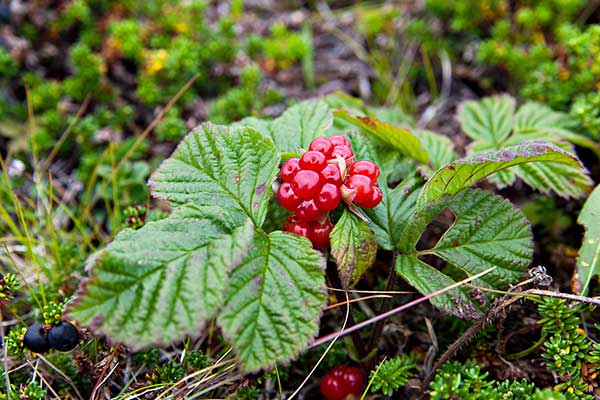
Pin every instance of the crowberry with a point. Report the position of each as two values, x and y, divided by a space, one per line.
341 382
36 339
63 336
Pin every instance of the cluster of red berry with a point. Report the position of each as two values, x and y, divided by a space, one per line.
317 182
341 382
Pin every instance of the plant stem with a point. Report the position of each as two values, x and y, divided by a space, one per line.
391 282
332 274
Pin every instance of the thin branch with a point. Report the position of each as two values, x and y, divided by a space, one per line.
326 338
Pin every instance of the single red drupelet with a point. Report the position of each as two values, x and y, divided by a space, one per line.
289 169
331 173
316 232
338 140
306 183
313 160
362 186
287 197
329 197
322 145
365 167
308 211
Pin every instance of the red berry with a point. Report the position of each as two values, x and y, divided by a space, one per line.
308 211
342 382
306 184
322 145
329 197
362 186
364 167
289 169
313 160
314 231
296 227
339 140
372 201
319 234
333 388
287 197
344 151
331 173
354 379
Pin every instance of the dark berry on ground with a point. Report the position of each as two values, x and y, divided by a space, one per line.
63 337
36 339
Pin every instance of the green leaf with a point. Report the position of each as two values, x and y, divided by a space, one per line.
465 172
231 167
487 232
389 219
296 127
162 282
489 120
566 180
401 139
440 149
354 248
533 115
588 260
550 125
426 279
274 300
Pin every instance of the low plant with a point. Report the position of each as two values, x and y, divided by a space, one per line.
266 289
467 381
392 374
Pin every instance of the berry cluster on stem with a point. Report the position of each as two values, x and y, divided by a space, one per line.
316 183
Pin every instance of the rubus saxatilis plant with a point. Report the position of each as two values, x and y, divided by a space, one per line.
213 257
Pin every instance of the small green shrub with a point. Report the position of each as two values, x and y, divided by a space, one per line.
392 374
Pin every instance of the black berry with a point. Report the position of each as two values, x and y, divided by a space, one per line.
63 337
36 339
